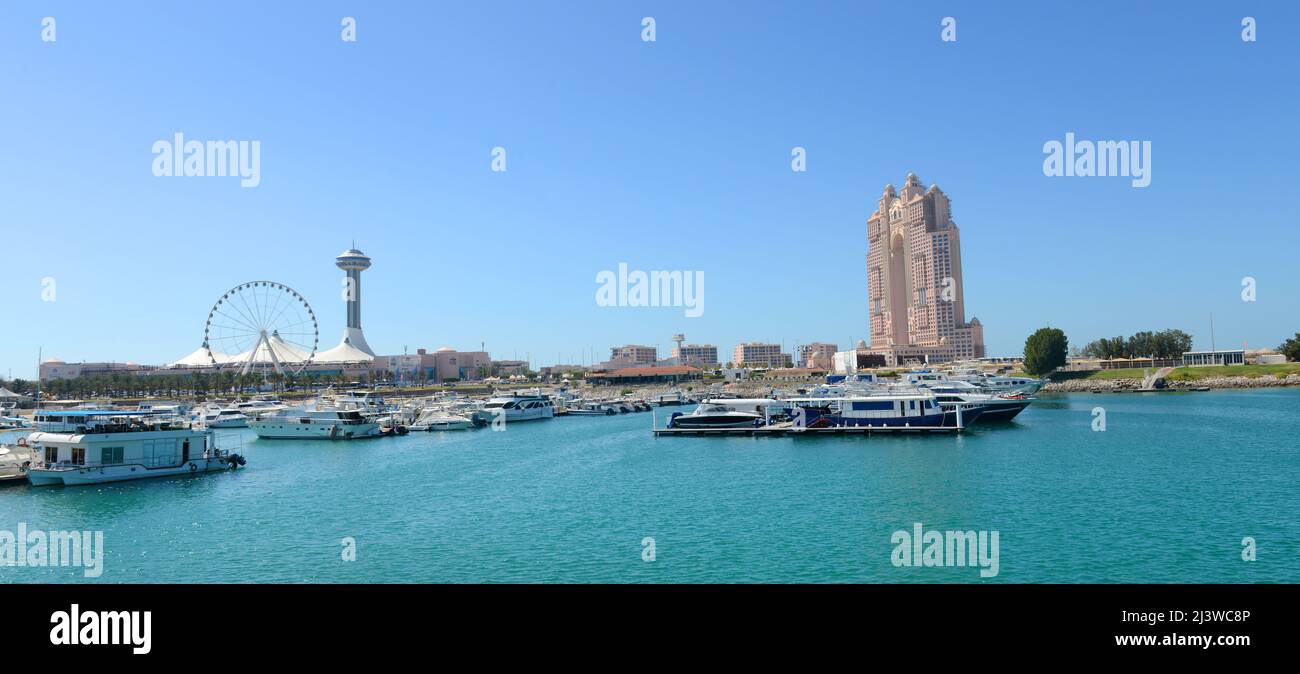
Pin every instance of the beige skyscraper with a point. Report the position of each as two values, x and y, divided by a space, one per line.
914 279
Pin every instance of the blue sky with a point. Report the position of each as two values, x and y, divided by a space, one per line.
666 155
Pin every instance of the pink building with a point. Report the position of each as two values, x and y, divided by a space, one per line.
818 356
914 279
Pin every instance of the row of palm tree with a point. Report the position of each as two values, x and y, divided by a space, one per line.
124 385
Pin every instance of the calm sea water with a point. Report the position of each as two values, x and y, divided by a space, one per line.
1165 494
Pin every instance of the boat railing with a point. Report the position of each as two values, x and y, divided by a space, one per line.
168 461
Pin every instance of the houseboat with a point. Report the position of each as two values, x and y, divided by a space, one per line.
918 408
112 446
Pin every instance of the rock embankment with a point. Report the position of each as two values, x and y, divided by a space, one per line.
1087 385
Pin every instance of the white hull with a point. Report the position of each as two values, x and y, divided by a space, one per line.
461 425
490 415
101 474
228 423
279 430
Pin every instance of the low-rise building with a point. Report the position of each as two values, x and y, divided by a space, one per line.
53 369
1217 357
506 368
817 355
634 353
645 375
759 354
558 371
696 354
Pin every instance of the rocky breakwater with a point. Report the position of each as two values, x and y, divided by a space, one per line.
1089 385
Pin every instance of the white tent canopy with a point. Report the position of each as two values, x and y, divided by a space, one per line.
345 352
199 358
271 350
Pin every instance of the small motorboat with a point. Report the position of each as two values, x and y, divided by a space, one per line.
715 415
592 410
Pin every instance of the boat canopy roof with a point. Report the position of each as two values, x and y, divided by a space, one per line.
99 413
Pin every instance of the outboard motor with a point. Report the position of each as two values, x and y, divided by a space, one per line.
672 420
235 461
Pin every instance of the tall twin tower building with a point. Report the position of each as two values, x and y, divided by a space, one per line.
914 282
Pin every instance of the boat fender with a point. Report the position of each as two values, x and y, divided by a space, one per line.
193 467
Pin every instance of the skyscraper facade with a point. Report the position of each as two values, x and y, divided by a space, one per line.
914 279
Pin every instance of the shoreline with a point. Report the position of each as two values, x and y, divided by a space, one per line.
1129 384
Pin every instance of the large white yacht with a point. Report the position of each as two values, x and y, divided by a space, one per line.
999 383
257 407
115 445
515 407
321 424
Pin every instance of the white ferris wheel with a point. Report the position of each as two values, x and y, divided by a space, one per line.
261 327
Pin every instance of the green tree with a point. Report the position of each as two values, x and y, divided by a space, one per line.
1045 351
1291 348
1171 343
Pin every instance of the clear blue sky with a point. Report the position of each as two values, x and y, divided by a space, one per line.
666 155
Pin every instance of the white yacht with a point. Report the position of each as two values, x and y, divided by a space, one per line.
441 419
592 409
227 417
320 424
515 407
999 383
368 403
252 409
996 406
166 408
112 446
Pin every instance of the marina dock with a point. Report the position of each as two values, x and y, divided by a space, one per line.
790 429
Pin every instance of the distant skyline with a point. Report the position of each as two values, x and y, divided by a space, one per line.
666 155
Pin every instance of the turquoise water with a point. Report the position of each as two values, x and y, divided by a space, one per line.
1165 494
